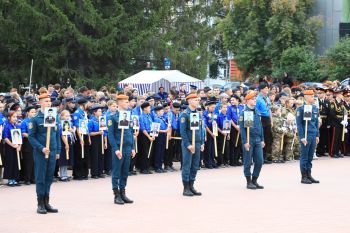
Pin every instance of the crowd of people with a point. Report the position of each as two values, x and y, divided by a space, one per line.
87 151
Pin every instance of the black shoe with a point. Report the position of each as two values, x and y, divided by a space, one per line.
172 169
193 190
267 162
158 171
124 197
149 172
41 206
77 178
117 197
250 184
94 177
144 172
254 181
187 192
101 176
133 172
48 207
27 183
311 178
305 179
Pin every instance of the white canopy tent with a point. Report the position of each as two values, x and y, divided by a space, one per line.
151 80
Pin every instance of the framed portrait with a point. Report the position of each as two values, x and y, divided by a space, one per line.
83 126
66 125
135 123
194 121
307 112
124 120
16 136
102 123
50 115
248 119
226 126
155 127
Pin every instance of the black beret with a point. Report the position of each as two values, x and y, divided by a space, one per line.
27 109
176 105
184 106
82 101
158 108
149 98
263 85
95 107
210 103
145 105
56 103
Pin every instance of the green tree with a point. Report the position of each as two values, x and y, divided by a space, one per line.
299 62
335 63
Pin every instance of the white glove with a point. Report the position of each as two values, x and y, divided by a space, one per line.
345 123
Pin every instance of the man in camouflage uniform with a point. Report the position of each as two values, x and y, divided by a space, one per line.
277 133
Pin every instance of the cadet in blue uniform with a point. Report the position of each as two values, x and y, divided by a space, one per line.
308 145
27 149
96 156
11 171
190 154
80 168
254 149
235 111
145 138
44 168
120 160
159 143
174 144
209 116
224 123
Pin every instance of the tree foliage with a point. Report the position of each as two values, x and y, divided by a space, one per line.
259 31
96 42
336 62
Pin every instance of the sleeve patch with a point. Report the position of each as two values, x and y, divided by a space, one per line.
183 119
30 126
109 122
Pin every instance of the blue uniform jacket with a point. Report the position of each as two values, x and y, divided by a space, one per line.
137 111
175 121
221 118
25 125
312 125
235 112
209 118
93 126
6 133
185 129
114 135
77 115
37 135
145 122
255 131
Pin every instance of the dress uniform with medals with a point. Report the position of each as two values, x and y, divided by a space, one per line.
336 117
44 168
322 147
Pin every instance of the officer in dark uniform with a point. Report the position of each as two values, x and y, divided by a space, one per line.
252 151
190 154
44 168
324 105
308 145
120 160
336 117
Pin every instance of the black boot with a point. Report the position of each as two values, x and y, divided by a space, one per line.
254 181
124 197
48 207
41 206
311 178
193 190
187 192
250 184
117 197
304 178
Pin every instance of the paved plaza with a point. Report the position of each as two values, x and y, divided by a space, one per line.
285 205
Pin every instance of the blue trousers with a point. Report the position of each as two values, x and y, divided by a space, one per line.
190 163
307 153
254 154
120 170
44 170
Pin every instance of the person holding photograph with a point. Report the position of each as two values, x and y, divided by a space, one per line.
190 153
67 144
120 159
308 145
252 151
81 168
159 143
112 109
209 117
27 149
223 128
95 133
11 171
44 168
